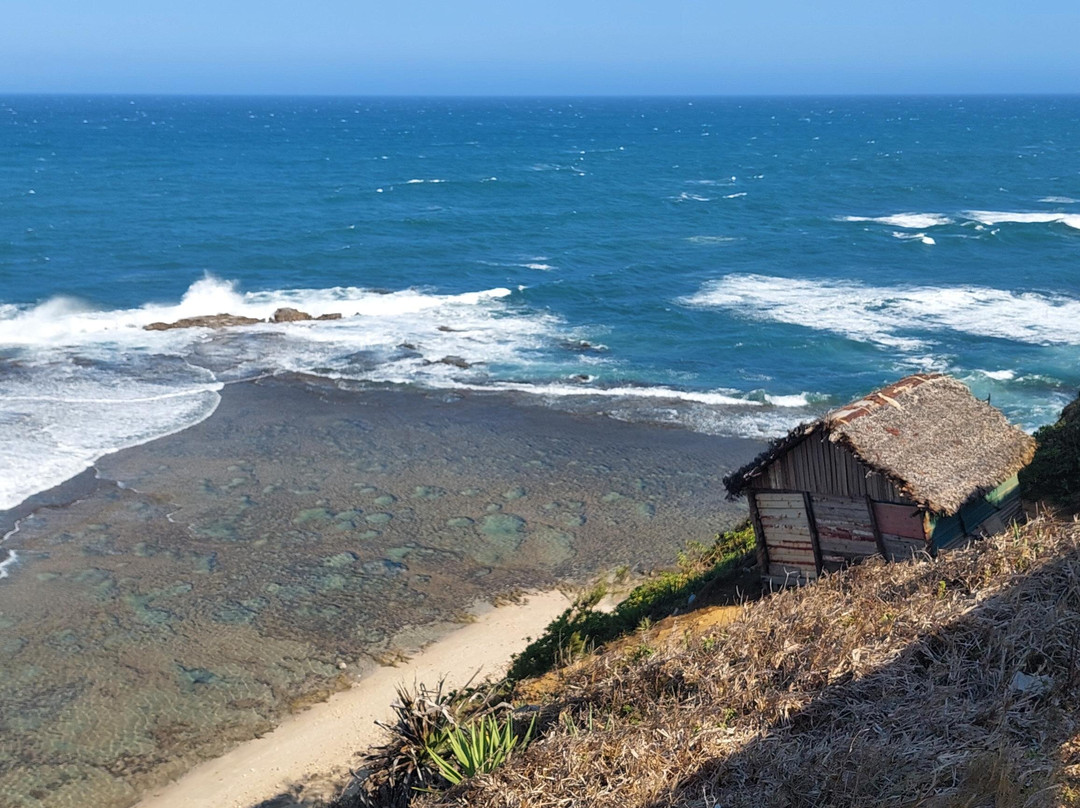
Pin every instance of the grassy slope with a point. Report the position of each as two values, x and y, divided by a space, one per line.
946 683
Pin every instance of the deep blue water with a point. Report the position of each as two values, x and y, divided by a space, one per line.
736 265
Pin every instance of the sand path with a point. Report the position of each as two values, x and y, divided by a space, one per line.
324 739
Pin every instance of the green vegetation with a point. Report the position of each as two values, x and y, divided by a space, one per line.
479 746
439 739
1054 473
582 627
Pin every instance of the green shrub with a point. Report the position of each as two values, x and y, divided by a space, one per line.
581 627
480 746
1054 473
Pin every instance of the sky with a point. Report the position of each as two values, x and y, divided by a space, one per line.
554 47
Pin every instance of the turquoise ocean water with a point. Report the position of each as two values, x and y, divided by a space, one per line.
733 265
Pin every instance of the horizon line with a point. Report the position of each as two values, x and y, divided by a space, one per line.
538 96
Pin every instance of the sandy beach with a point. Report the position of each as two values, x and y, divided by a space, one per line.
315 747
195 592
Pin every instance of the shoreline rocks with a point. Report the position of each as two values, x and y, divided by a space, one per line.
282 315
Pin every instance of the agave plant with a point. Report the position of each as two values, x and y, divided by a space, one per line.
438 737
482 745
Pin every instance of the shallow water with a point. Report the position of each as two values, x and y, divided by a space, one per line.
215 578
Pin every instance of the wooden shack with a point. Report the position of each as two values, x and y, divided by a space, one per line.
914 467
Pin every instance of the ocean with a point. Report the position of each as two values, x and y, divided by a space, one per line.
730 265
562 322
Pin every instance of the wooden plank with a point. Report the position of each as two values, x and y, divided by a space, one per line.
780 569
759 532
899 520
785 499
806 560
899 548
851 549
813 531
778 512
878 540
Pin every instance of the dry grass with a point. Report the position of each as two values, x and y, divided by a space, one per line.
944 684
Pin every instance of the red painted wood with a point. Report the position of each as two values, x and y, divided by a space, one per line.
899 520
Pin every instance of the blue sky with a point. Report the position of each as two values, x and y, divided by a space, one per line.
556 47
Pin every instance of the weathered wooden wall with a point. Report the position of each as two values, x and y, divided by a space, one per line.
845 529
822 467
787 535
903 530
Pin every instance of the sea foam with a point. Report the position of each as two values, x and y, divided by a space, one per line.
992 217
913 221
899 317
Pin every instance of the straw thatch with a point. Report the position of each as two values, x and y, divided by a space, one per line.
927 434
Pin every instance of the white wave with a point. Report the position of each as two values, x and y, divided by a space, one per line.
712 239
718 398
992 217
735 196
686 196
912 221
1058 200
998 375
896 316
60 418
922 237
796 400
85 383
12 558
542 267
65 321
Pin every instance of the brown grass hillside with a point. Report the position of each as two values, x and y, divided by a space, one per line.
953 682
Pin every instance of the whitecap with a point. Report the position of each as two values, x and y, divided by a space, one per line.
711 239
735 196
796 400
896 317
1058 200
913 221
992 217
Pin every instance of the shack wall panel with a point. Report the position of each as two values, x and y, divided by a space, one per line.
786 527
850 549
845 530
901 548
899 520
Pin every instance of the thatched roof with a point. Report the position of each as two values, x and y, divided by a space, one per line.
927 434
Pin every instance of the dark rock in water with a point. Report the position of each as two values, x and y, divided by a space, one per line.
407 346
448 329
332 316
582 377
206 321
582 346
455 361
289 315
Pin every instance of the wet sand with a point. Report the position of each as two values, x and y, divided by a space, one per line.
211 582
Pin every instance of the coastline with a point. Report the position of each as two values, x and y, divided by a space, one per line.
188 594
314 748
